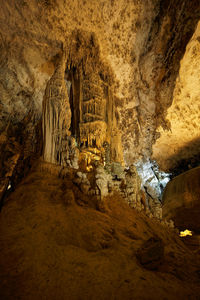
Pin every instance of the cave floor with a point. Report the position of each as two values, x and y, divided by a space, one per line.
55 243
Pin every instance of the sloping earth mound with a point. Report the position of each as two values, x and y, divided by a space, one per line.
56 243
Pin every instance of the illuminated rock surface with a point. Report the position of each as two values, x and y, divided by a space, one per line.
179 146
134 46
86 90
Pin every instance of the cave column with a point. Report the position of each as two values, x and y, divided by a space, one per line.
56 117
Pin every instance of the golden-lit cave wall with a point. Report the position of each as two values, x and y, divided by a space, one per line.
85 112
143 42
178 149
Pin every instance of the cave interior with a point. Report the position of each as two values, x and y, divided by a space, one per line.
100 149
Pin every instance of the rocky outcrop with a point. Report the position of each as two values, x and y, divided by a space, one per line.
153 179
181 200
82 182
124 182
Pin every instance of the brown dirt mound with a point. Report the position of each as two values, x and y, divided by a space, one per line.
56 244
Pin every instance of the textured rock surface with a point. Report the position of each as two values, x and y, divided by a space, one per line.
140 43
56 118
178 148
181 200
151 254
20 144
153 180
97 77
55 244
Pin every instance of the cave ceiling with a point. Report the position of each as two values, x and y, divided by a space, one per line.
137 46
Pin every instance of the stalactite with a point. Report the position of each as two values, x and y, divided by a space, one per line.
96 123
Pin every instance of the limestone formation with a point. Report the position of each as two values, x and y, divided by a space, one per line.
125 55
100 83
82 182
73 154
177 149
56 117
132 188
153 179
92 106
103 179
61 247
98 99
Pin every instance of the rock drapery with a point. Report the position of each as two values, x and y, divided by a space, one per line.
56 118
85 88
78 104
101 81
140 43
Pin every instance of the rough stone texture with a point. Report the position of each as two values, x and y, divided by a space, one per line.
140 43
20 144
181 200
151 254
100 75
157 68
56 118
102 181
55 244
82 182
132 187
126 183
153 180
178 148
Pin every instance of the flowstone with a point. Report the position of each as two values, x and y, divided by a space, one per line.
56 117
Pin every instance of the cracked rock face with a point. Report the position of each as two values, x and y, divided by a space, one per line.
133 46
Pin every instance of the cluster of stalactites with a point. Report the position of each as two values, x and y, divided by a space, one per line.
97 117
85 110
93 134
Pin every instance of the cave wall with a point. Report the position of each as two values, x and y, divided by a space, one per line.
182 140
156 69
141 43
